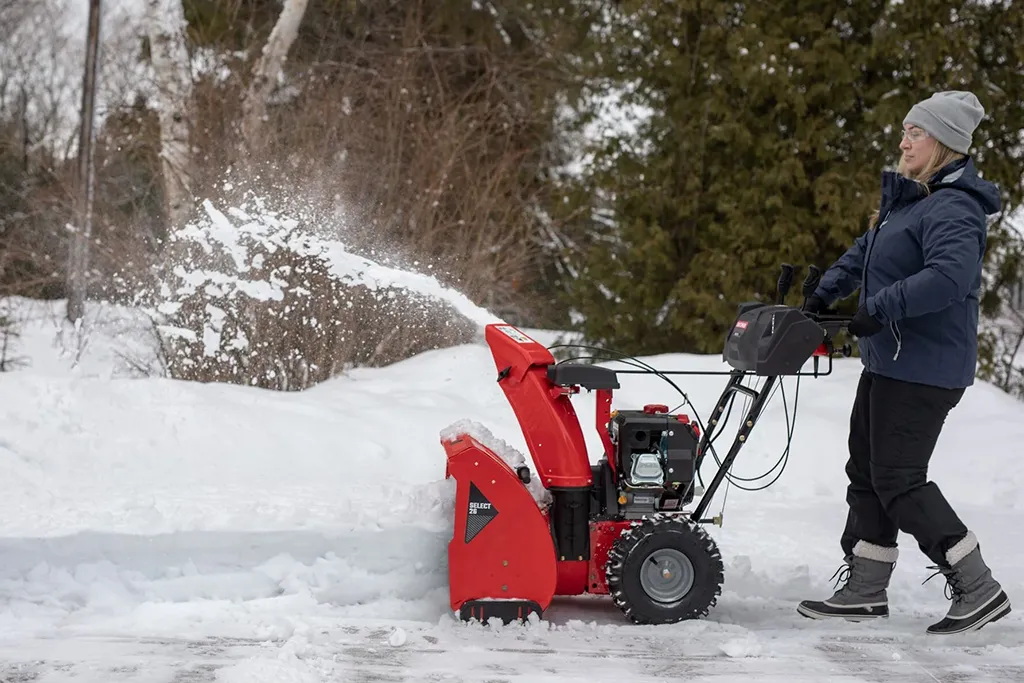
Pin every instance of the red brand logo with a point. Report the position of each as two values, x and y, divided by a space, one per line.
741 324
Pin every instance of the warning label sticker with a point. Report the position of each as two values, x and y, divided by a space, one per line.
516 334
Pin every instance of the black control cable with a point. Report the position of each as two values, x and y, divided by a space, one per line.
783 459
646 368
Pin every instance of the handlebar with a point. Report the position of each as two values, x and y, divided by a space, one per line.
833 325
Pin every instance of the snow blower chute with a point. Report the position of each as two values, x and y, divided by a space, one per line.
620 527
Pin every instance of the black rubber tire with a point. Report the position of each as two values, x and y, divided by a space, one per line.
626 561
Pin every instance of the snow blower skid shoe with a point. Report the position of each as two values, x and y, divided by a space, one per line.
618 525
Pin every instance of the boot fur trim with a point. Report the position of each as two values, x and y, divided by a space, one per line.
874 552
962 549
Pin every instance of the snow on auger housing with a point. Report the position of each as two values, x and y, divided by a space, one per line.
619 527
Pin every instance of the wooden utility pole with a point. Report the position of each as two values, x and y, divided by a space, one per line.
78 264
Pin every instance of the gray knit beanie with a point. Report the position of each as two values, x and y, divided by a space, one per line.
949 116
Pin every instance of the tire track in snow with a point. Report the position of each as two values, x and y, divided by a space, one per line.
452 653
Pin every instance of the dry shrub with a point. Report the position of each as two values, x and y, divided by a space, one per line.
36 198
1001 342
262 302
34 201
9 335
1001 359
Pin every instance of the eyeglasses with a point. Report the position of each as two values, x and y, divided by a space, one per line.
914 135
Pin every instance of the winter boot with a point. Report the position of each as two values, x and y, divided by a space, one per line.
978 599
867 573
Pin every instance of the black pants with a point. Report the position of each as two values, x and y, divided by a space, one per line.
894 426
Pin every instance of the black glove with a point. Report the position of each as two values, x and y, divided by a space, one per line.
815 304
864 324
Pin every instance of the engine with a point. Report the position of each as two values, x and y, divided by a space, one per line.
654 454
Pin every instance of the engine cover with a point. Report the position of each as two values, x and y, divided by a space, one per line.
654 454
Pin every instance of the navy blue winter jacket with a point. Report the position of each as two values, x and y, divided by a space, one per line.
919 274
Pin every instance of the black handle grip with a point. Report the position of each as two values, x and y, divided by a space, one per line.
811 281
785 282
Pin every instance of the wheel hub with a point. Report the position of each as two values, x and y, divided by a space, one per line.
667 575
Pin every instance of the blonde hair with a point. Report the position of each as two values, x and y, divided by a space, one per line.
941 156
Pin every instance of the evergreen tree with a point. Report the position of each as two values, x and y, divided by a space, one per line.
769 126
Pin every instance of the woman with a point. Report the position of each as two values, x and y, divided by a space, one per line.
919 271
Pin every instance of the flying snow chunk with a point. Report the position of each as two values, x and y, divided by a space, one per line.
746 646
360 270
398 637
217 231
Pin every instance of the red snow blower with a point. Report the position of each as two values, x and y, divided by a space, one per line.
619 527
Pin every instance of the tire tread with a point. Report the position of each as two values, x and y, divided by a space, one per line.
699 546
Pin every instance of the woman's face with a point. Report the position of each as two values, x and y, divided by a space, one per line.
917 148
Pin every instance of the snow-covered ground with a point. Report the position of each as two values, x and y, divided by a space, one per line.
156 530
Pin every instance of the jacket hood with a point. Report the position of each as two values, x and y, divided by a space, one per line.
961 174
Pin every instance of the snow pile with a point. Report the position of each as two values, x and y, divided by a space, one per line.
256 297
512 457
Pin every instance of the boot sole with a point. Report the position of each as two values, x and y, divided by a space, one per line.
995 614
815 614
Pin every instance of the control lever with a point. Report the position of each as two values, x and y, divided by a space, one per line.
811 283
785 282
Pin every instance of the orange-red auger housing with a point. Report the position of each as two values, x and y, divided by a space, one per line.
506 557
